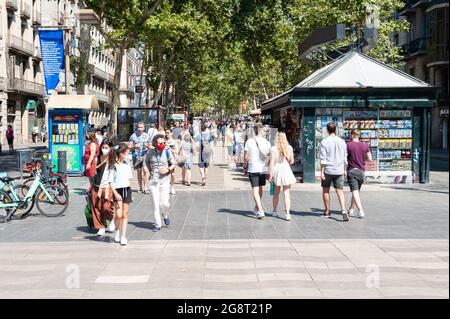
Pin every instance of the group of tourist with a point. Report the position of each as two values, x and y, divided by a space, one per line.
156 154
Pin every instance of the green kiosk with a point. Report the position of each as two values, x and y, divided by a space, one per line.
389 107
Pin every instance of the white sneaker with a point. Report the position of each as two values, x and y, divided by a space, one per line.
111 227
361 214
287 216
351 212
259 215
172 190
123 241
101 232
117 236
274 214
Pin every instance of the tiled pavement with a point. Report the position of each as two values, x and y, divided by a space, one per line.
227 269
215 249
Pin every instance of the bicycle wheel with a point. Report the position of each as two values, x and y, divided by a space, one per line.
5 213
21 191
54 206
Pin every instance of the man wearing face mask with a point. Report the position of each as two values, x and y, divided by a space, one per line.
138 143
160 162
99 136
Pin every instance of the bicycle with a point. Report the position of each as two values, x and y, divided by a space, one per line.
54 178
46 197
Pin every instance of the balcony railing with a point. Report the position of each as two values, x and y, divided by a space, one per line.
11 5
29 87
100 96
438 53
37 18
100 73
2 84
14 42
25 10
417 46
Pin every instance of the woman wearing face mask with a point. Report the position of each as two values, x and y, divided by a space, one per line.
91 153
161 162
120 177
103 206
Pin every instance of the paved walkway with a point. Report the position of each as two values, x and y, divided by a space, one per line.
227 269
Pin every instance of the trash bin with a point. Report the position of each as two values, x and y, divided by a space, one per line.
62 162
23 156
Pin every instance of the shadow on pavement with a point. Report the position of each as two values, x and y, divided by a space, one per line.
144 225
320 210
102 239
85 229
236 212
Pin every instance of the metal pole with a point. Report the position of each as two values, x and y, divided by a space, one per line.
66 44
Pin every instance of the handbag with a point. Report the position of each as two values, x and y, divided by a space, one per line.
262 156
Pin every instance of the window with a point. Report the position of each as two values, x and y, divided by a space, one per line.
412 29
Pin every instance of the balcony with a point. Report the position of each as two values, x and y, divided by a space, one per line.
19 85
11 5
100 73
25 10
415 47
100 96
37 18
37 53
411 6
18 44
438 54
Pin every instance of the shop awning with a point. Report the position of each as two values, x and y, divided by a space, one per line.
356 80
31 105
84 102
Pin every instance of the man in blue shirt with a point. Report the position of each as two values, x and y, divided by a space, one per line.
139 141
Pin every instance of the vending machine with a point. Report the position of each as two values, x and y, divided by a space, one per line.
66 133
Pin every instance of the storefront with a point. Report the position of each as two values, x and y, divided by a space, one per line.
391 109
68 123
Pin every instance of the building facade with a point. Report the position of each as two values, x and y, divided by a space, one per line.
21 76
425 48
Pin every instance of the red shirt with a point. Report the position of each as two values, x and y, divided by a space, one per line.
357 152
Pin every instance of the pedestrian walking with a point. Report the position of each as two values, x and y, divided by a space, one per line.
43 133
230 145
91 153
185 155
358 152
280 173
256 160
10 137
151 133
160 162
139 141
238 146
120 177
173 147
177 130
101 193
333 165
204 156
35 133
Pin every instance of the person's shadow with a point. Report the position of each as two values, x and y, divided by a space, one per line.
318 212
144 225
244 213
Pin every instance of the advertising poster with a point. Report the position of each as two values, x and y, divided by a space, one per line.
73 157
52 50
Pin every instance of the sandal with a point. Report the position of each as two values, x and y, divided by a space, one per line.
326 215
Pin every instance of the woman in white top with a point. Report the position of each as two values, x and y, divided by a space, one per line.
280 173
119 179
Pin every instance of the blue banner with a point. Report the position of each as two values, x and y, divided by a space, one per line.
52 49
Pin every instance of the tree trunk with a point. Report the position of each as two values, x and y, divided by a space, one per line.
115 92
85 45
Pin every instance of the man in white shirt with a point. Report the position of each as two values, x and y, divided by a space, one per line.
333 166
256 155
151 133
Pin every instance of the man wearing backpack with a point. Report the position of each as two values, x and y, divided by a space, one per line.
256 158
204 139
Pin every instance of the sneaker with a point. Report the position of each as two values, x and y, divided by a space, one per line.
345 216
172 190
351 212
274 214
287 216
259 215
111 228
156 229
117 236
123 241
167 221
101 232
361 214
